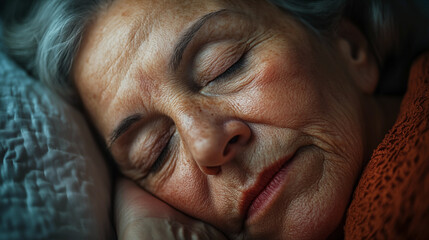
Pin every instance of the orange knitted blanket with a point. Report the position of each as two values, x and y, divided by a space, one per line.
391 200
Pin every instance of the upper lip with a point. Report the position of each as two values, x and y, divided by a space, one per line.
264 178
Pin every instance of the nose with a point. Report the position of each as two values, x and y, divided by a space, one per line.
212 140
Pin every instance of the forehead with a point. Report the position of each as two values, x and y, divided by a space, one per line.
130 24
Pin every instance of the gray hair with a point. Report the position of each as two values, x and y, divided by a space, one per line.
46 41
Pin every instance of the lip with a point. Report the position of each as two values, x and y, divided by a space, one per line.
267 184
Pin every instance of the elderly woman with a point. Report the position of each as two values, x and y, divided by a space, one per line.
245 119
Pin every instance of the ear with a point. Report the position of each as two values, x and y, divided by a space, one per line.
359 58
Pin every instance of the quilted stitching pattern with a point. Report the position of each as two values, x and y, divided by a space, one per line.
53 181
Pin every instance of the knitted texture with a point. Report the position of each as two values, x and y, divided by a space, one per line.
391 200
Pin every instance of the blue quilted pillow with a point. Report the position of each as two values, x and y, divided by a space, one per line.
54 182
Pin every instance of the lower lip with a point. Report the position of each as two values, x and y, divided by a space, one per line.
268 194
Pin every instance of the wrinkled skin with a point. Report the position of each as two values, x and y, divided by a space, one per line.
287 93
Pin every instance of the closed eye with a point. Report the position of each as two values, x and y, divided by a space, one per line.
162 157
232 69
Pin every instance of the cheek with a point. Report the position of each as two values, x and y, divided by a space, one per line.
281 94
185 188
306 92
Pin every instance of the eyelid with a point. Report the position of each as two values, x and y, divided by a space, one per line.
231 25
162 157
123 127
146 144
233 68
215 59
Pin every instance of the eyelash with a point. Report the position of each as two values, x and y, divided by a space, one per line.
160 160
232 69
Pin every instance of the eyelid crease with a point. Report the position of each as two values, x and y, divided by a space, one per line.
237 65
160 160
152 155
187 37
122 128
214 62
233 79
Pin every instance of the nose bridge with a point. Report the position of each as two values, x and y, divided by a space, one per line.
200 126
187 111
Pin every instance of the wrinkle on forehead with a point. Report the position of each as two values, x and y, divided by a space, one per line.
112 40
108 48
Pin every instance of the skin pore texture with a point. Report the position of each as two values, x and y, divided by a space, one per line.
203 102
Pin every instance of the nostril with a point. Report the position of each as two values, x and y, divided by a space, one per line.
230 142
233 140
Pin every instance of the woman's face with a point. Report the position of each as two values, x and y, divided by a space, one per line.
233 113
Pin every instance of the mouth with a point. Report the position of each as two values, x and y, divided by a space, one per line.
269 181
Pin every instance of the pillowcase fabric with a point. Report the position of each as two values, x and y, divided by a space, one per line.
54 182
391 200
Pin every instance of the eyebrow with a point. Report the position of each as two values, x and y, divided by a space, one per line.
122 127
189 34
